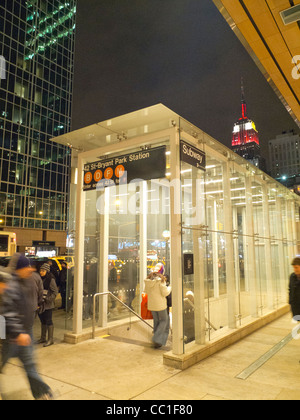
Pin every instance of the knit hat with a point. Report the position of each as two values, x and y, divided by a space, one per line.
296 261
23 262
159 268
45 267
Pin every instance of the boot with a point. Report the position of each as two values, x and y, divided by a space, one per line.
50 336
43 338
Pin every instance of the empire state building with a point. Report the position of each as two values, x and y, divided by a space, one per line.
245 138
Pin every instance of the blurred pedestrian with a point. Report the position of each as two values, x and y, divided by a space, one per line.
46 308
17 304
294 289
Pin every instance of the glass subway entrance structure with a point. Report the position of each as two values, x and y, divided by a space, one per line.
150 187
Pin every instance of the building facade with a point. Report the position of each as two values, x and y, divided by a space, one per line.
284 154
37 55
284 159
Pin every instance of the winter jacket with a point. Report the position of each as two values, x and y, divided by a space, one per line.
157 291
294 294
62 279
18 306
19 301
50 292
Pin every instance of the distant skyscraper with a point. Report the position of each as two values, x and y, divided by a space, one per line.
245 139
37 48
284 159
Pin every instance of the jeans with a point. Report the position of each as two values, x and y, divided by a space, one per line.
26 355
161 327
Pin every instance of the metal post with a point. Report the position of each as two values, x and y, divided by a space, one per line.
79 250
176 248
143 236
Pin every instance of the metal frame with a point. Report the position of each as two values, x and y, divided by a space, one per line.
122 303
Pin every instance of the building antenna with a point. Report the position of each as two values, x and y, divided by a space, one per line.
243 101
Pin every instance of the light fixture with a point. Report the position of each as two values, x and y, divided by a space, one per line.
291 15
166 234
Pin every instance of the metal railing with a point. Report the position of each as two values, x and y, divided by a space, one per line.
129 309
118 300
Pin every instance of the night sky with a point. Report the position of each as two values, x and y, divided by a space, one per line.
131 54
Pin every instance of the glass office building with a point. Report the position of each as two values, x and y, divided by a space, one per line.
37 50
225 230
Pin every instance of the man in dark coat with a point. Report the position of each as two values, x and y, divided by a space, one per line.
54 271
18 305
63 278
294 288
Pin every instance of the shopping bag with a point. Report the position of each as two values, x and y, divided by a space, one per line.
145 313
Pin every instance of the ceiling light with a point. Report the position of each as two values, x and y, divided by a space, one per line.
291 15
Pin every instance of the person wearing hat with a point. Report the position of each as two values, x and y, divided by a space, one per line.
294 289
18 303
62 284
46 309
157 291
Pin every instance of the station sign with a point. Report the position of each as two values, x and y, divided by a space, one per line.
43 243
193 156
143 165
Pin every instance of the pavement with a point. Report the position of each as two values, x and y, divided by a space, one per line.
112 368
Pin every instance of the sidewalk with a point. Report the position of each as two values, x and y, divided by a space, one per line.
112 369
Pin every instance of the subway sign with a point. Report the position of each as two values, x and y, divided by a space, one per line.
143 165
195 157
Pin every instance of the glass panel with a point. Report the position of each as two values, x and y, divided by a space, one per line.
92 246
158 234
123 276
217 314
260 250
123 222
193 243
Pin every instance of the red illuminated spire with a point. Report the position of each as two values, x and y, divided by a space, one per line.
244 106
244 130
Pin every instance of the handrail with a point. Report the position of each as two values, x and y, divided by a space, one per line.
122 303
